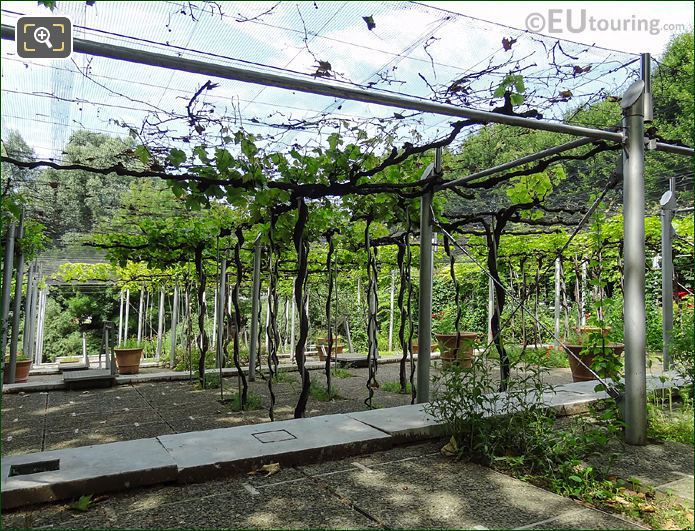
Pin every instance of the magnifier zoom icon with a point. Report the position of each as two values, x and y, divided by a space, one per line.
42 35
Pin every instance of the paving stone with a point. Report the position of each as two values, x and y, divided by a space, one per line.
18 444
217 505
683 488
435 493
584 518
404 423
198 423
24 401
653 464
202 455
92 469
22 427
109 434
98 420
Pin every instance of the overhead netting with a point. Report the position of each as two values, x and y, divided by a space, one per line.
403 47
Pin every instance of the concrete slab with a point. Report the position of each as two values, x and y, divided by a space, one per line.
203 455
683 488
87 470
652 464
79 437
403 423
433 492
88 379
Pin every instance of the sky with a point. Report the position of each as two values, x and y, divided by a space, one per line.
633 41
48 100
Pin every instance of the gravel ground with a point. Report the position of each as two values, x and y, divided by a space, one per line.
33 422
412 487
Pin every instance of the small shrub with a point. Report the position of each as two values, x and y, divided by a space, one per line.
669 423
284 377
341 373
395 387
318 392
253 402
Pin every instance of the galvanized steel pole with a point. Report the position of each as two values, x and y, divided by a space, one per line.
424 335
668 204
174 319
634 234
160 324
7 287
19 280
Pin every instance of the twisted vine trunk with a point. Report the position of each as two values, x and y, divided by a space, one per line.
237 315
402 287
492 235
272 328
203 343
302 248
372 309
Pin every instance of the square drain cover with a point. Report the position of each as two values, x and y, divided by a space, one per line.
274 436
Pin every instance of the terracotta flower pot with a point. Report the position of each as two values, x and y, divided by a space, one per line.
128 360
21 372
584 330
456 348
579 372
414 347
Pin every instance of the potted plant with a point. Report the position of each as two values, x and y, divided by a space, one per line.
591 344
128 356
592 347
22 368
414 346
455 346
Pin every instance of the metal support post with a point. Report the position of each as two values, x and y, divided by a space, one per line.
174 318
19 280
120 319
220 312
490 307
126 315
425 301
7 288
634 234
558 272
28 304
140 313
160 324
668 204
393 290
292 331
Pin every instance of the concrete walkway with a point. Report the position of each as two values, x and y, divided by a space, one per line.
51 379
411 487
198 456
